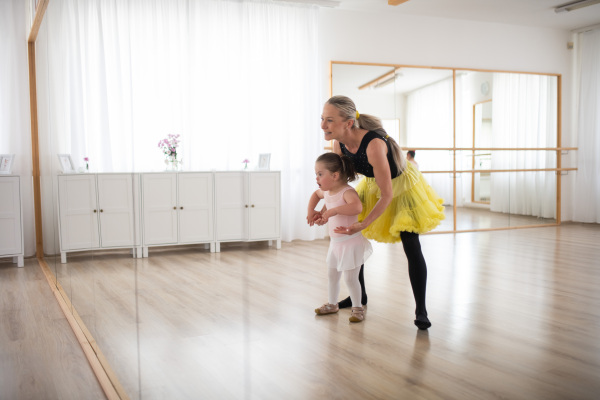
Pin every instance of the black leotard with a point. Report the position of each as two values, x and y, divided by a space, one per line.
360 160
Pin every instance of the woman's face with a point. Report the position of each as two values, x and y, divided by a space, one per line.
325 178
332 123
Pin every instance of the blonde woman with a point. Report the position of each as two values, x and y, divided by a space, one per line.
398 204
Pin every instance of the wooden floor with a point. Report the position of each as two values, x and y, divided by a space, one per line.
516 315
40 357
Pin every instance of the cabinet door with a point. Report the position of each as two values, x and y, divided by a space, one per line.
78 212
231 206
10 216
264 199
159 204
195 207
115 204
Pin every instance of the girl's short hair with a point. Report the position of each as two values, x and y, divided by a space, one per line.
334 162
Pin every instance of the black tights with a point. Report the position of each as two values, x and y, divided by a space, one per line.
417 269
417 272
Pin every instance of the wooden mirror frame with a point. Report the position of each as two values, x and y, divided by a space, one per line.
559 169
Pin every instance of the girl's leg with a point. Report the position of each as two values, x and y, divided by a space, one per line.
347 302
417 271
334 284
351 278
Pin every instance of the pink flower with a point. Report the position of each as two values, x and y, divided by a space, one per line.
246 161
86 159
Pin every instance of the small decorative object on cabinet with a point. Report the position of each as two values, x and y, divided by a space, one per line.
11 219
6 161
177 209
169 146
98 211
66 163
247 207
264 161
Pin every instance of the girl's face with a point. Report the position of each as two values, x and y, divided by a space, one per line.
332 123
325 178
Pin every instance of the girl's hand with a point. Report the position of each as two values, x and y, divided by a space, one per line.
320 221
312 217
349 230
328 214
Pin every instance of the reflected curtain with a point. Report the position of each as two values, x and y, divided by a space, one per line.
586 197
234 79
524 112
429 123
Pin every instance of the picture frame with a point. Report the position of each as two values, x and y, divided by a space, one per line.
264 161
66 163
6 162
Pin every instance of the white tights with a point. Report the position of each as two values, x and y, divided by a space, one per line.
351 279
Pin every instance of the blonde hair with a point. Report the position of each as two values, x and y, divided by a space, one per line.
347 110
341 164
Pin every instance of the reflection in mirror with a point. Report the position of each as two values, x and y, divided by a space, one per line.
512 112
428 108
482 159
89 219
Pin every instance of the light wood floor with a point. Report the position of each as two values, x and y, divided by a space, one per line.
516 315
40 357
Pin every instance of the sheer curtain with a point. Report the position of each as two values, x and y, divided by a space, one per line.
233 78
586 196
429 123
525 114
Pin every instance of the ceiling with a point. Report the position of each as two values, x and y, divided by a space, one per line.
535 13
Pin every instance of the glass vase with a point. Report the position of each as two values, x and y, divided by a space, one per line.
172 163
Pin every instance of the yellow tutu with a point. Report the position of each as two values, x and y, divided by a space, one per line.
415 207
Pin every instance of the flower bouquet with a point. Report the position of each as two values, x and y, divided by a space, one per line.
169 146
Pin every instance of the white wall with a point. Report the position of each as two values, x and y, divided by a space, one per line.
15 131
421 41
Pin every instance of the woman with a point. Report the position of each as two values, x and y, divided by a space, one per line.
398 204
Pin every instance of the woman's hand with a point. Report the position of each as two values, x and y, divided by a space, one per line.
349 230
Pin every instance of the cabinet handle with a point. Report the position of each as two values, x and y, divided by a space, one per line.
252 205
101 210
246 205
181 208
94 210
174 208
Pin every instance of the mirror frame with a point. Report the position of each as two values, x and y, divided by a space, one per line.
558 170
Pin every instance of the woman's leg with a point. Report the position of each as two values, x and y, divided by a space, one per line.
417 271
347 302
351 279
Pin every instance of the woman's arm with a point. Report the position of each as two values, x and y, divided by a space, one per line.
377 157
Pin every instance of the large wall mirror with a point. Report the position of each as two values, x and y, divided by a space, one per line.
487 141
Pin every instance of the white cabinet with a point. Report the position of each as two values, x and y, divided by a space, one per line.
177 209
119 210
247 206
11 219
98 211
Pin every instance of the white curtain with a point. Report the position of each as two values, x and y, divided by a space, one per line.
464 137
233 78
429 122
15 133
586 195
525 115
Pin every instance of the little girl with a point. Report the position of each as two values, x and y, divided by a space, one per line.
346 252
